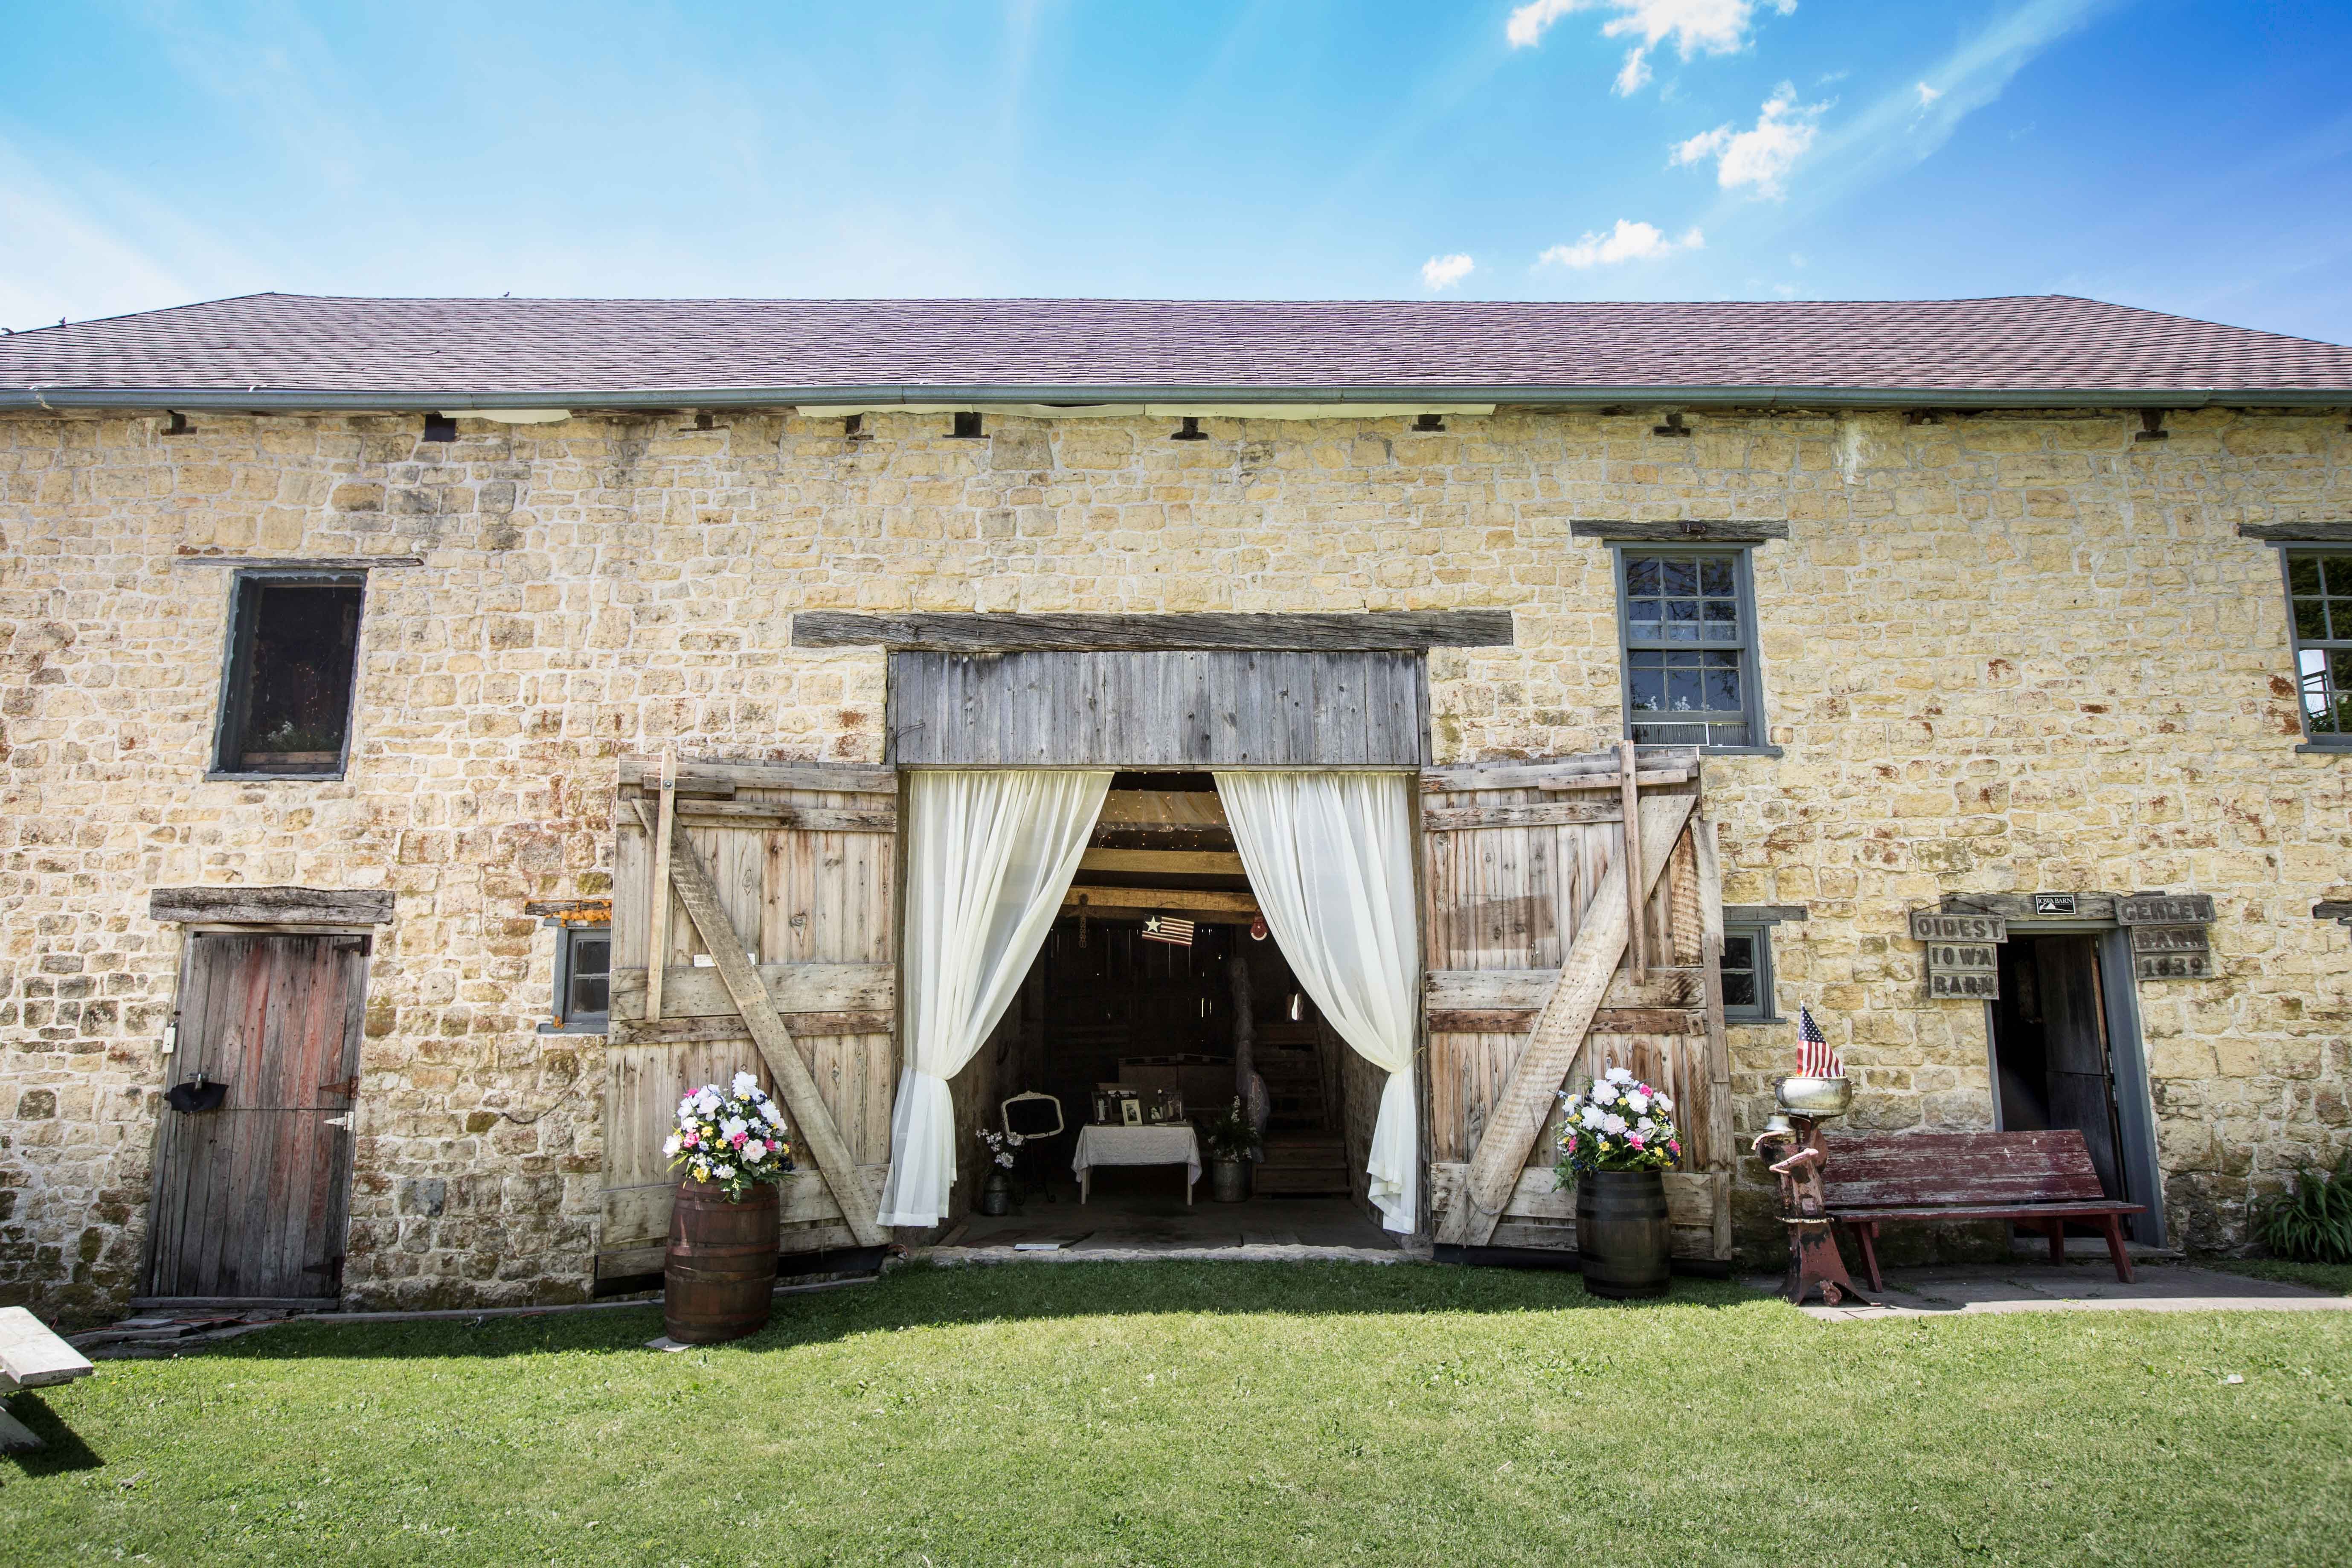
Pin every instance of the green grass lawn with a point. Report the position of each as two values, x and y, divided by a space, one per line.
1215 1413
2333 1277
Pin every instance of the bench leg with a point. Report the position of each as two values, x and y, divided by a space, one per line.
2055 1229
1866 1232
15 1438
2115 1228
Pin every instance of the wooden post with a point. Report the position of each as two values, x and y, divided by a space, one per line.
1636 885
797 1086
1722 1166
657 910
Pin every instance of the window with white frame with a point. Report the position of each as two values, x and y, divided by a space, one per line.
1688 630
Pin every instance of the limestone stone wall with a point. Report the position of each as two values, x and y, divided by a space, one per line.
1999 653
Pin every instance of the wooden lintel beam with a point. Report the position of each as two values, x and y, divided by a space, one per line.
1170 862
810 1119
1375 631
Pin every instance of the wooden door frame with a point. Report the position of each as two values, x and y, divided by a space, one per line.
188 931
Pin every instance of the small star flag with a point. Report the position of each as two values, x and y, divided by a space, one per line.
1814 1056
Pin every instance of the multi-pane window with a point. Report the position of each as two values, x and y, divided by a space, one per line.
583 977
1690 670
2319 596
286 705
1747 972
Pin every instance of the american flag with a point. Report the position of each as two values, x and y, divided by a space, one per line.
1170 930
1814 1056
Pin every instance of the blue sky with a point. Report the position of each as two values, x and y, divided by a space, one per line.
2193 157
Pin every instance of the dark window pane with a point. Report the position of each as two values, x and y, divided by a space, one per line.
2339 575
2303 573
591 995
1723 689
2311 620
2339 670
1641 575
1641 622
590 988
1738 989
1684 691
591 954
1682 620
1714 575
288 698
1739 952
1679 574
1723 620
1648 682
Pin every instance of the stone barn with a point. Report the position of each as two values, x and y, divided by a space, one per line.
434 734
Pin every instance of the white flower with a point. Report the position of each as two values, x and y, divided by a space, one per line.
723 1172
1639 1102
1593 1117
1645 1125
744 1084
706 1100
1618 1074
670 1149
770 1114
732 1125
754 1152
1614 1125
1661 1103
1601 1090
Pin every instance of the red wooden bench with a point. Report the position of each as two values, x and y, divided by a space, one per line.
2038 1179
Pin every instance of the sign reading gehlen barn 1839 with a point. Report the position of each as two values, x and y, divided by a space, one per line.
2165 909
1963 959
2170 934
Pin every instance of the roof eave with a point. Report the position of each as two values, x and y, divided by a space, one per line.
63 399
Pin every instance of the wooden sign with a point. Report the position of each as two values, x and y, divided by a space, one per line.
2165 909
1977 956
2054 904
1935 925
1971 984
2172 965
2171 939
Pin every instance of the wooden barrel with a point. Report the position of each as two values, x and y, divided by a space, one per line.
1622 1233
718 1274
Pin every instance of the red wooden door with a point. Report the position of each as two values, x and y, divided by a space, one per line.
250 1198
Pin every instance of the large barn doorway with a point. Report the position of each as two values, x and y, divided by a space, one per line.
1158 985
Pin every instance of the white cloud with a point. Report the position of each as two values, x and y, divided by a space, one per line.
1929 95
1629 241
1758 156
1446 272
1712 26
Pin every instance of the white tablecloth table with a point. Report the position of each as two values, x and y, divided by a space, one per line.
1176 1144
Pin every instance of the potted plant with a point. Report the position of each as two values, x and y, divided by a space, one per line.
1616 1144
719 1273
996 1193
1233 1144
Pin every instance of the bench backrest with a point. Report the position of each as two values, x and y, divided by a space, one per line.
1896 1170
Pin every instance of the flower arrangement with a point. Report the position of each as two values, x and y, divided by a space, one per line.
1001 1146
734 1139
1231 1136
1622 1124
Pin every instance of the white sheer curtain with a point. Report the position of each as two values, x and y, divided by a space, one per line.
988 856
1329 856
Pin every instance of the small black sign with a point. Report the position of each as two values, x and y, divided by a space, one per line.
2054 904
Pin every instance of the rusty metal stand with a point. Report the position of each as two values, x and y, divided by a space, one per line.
1813 1259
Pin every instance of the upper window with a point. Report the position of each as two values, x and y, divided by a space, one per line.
2319 593
583 977
287 704
1690 666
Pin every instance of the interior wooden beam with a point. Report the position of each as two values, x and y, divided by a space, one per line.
1163 808
1159 900
1170 862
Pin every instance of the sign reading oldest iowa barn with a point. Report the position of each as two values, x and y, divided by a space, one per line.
1963 962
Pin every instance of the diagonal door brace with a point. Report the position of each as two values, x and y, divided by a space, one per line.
699 894
1559 1029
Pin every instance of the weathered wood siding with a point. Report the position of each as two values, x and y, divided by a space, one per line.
814 871
1511 871
1142 710
250 1198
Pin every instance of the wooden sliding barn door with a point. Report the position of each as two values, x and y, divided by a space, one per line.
1532 987
780 961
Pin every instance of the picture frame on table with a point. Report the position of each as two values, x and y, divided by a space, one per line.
1130 1110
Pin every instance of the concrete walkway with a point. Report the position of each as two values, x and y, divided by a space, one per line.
2075 1288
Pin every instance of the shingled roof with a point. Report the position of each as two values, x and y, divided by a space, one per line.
301 350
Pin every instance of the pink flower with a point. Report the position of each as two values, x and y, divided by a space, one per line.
774 1145
692 1139
1634 1139
740 1138
1676 1147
